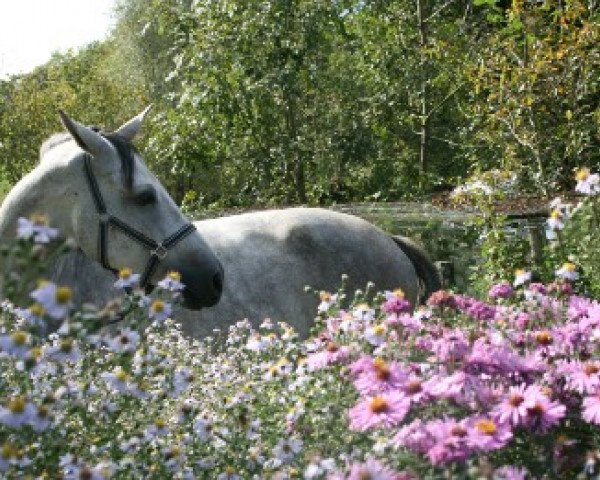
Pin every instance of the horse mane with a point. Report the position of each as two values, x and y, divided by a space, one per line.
123 146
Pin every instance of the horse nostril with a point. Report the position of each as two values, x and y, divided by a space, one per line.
218 283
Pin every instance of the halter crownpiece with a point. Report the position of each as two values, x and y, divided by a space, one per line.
158 250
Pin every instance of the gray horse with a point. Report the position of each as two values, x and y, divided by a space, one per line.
268 257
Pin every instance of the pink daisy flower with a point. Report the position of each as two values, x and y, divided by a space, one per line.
415 389
543 413
333 353
591 409
485 434
509 472
583 377
450 441
513 407
374 470
414 436
384 410
380 377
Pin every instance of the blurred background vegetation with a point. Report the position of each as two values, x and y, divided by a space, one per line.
272 102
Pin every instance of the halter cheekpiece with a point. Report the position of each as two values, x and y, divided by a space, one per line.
158 250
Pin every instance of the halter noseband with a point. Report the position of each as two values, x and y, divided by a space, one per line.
158 251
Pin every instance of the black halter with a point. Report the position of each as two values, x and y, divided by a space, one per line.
158 251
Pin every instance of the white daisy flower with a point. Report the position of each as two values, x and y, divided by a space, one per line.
159 310
587 183
287 448
376 334
521 277
18 412
17 344
568 272
37 228
127 279
172 282
56 300
126 340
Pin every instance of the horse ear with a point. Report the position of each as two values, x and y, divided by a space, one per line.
130 129
86 138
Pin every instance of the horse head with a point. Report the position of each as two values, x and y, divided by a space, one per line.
98 191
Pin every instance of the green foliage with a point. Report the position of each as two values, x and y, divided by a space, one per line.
534 93
579 243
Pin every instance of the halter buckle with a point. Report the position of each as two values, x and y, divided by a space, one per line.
159 252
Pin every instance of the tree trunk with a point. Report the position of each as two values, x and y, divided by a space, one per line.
424 111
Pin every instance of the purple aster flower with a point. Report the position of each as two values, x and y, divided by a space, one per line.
453 346
582 377
509 472
513 407
485 434
450 441
501 290
543 413
375 470
381 377
332 353
384 410
414 436
591 409
395 302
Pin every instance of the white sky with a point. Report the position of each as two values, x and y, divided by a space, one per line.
31 30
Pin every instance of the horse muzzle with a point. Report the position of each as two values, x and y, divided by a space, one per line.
202 288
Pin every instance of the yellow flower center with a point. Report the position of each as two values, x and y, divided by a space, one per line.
66 345
515 399
582 174
458 431
39 220
325 296
42 411
63 295
37 309
379 362
17 405
569 267
125 273
160 423
399 293
379 330
555 214
8 450
378 405
19 337
519 272
414 386
487 427
120 374
158 306
173 275
544 338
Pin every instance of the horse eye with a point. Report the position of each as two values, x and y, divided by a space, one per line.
145 196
